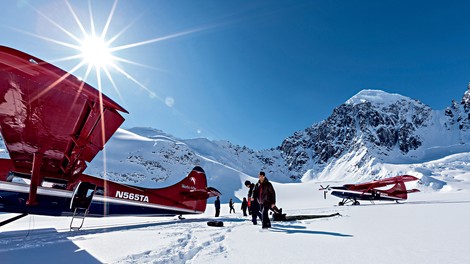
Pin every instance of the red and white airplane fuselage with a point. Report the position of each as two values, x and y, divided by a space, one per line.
102 197
389 189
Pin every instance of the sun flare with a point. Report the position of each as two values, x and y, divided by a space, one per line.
96 52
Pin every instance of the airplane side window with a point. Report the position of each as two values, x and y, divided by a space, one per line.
99 191
20 180
59 186
10 176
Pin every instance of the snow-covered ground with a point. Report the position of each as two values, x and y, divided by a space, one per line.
430 227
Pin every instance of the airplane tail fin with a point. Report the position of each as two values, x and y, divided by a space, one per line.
190 194
399 190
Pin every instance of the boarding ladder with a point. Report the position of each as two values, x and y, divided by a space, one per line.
78 218
80 204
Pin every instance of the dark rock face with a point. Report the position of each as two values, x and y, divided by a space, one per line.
380 126
459 114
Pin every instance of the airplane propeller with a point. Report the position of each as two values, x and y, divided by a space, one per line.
325 190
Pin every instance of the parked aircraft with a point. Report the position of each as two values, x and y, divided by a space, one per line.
379 190
52 124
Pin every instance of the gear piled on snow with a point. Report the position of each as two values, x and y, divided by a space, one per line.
215 223
279 216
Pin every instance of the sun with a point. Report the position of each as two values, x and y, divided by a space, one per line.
96 52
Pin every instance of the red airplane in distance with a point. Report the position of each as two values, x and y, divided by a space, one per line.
373 191
52 124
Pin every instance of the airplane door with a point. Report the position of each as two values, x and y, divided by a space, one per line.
81 197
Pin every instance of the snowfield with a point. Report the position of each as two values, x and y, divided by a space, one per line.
430 227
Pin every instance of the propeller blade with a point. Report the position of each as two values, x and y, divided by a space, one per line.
325 190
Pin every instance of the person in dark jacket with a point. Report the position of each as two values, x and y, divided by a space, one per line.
231 206
244 206
266 198
217 207
253 202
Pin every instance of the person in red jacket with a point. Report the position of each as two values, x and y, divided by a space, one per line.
266 198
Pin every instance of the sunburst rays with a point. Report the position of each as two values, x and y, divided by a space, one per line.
95 50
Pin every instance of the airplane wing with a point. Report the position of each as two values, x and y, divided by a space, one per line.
51 119
381 183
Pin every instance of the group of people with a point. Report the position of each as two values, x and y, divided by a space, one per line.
217 206
260 199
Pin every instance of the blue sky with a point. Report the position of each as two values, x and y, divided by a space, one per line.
253 72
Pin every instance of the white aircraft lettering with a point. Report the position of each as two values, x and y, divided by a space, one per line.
132 196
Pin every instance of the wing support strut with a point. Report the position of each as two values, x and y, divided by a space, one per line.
36 178
9 220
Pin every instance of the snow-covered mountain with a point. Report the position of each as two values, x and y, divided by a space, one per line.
374 128
372 135
151 158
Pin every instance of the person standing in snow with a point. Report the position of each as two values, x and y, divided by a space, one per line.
253 202
244 206
231 206
217 207
266 198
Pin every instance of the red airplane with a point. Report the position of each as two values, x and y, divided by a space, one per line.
52 123
373 191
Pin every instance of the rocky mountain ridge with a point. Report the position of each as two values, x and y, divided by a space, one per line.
390 127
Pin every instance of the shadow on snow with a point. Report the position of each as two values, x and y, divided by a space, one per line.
296 229
51 246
